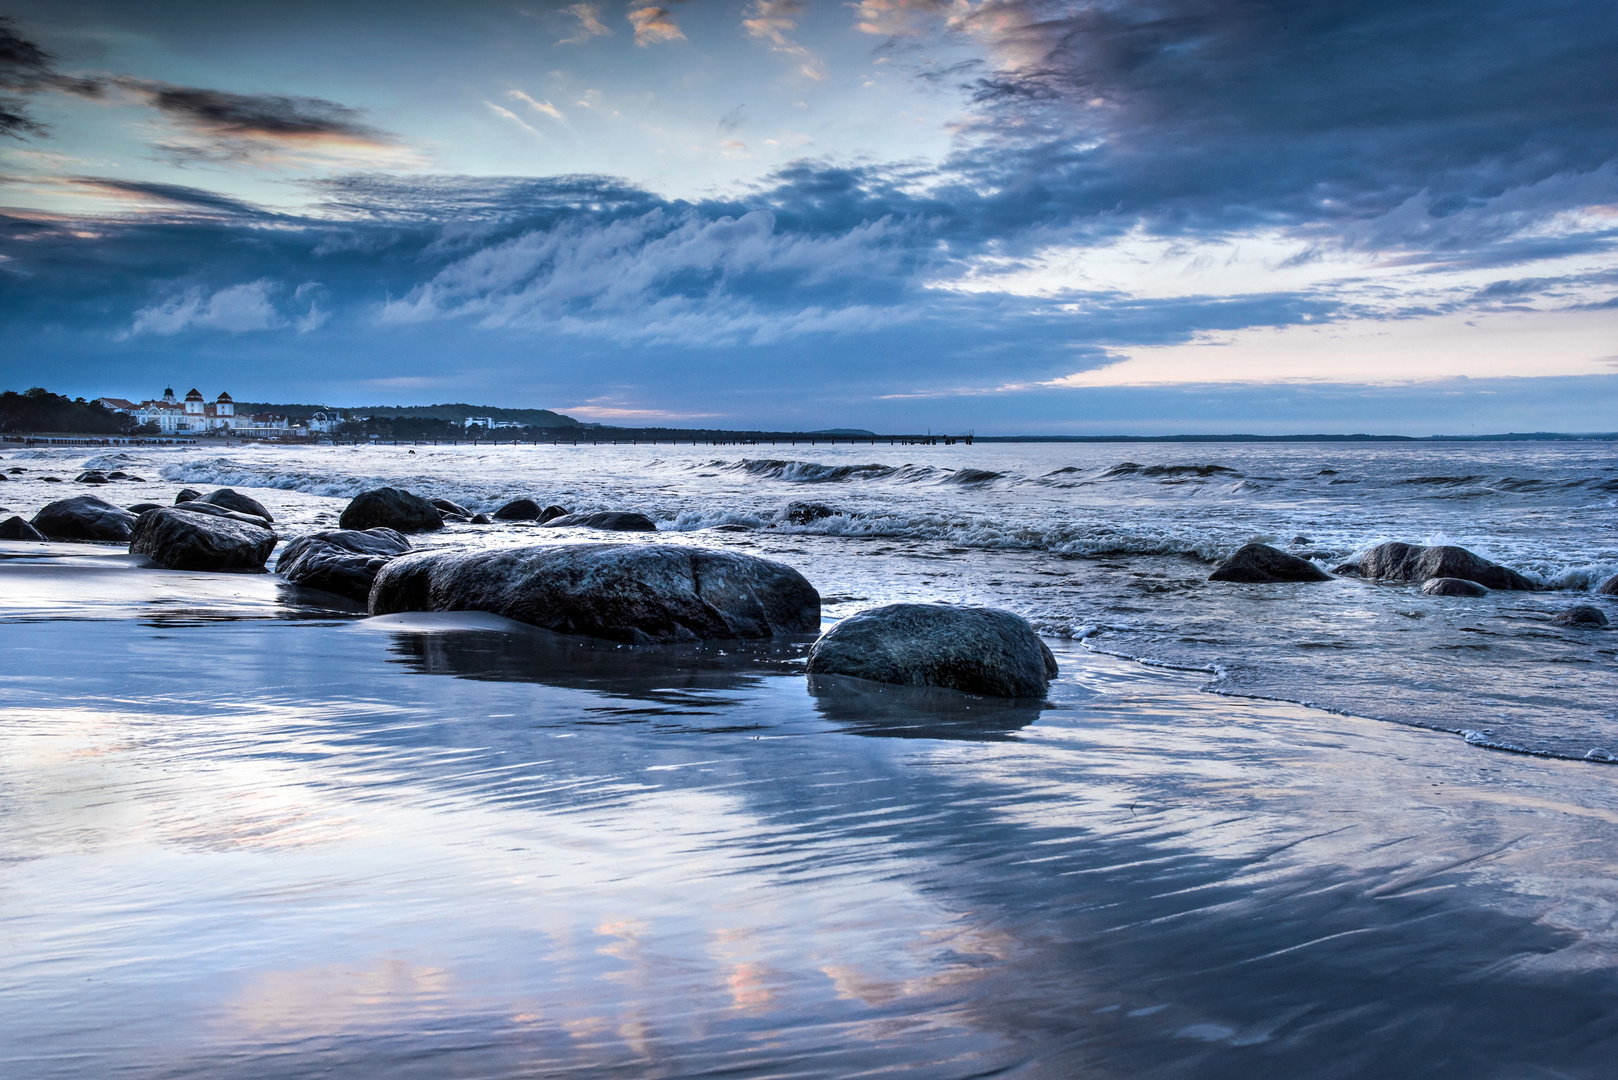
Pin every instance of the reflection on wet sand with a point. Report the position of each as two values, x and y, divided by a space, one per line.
483 851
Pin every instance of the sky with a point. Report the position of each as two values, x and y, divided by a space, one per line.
1006 216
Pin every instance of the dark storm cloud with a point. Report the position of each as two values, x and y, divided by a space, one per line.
1221 114
187 198
26 68
262 116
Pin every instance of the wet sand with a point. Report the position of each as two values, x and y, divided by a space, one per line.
250 835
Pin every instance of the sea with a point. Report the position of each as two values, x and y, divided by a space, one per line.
1302 829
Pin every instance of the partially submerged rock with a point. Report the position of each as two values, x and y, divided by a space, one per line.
15 528
1452 586
445 506
391 508
482 519
1261 563
614 520
976 649
635 593
185 495
1395 561
197 506
518 510
181 539
140 508
342 561
231 499
1608 587
552 512
91 476
803 513
1584 616
85 517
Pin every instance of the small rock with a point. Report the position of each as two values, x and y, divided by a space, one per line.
117 475
552 512
85 517
234 500
1452 586
482 519
1583 616
518 510
140 508
182 539
16 469
391 508
976 649
15 528
1254 563
803 513
91 476
50 479
635 593
615 520
342 561
1301 540
187 495
1412 562
1608 587
444 506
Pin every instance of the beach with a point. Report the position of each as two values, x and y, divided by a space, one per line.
1328 829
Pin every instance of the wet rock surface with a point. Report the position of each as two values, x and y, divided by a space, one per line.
976 649
634 593
15 528
231 499
186 495
391 508
1396 561
178 538
612 520
1584 616
1452 586
519 510
1608 587
445 506
342 561
1256 563
85 517
804 513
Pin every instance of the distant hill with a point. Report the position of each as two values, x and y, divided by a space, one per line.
841 431
455 414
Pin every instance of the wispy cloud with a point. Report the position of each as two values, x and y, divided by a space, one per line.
590 24
538 106
772 21
654 24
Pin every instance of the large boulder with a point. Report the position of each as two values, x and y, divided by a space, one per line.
197 506
976 649
180 539
1584 616
614 520
15 528
391 508
635 593
518 510
1608 587
1394 561
1452 586
85 517
342 561
1261 562
235 500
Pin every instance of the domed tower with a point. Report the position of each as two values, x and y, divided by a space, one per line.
168 394
223 405
194 405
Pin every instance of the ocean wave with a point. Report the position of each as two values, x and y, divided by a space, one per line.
1130 468
973 476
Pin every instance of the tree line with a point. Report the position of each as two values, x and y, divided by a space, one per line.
39 410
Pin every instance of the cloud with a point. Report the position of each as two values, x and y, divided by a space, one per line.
772 20
26 68
236 309
276 117
590 24
544 107
513 117
654 24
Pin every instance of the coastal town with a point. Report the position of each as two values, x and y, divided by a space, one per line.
195 415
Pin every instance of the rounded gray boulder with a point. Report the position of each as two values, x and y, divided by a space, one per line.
1256 563
391 508
15 528
342 561
518 510
1452 586
178 538
635 593
1608 587
85 517
231 499
1583 616
612 520
976 649
1395 561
